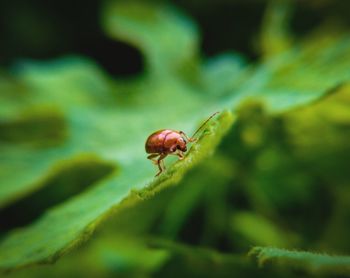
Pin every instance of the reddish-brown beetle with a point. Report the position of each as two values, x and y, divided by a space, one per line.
167 141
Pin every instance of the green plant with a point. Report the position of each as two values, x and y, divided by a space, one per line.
280 142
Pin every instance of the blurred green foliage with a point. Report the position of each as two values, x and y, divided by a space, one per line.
271 170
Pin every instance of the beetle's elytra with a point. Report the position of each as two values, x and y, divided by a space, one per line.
164 142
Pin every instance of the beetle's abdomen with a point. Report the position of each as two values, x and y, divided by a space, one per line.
160 141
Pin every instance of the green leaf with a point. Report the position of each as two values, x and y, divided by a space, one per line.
275 37
109 255
52 235
312 263
168 39
301 74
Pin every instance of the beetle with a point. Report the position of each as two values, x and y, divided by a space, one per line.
166 142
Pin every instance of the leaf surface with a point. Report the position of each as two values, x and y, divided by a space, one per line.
313 263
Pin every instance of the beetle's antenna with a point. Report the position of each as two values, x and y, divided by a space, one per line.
204 123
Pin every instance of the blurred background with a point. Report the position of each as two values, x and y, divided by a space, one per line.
276 179
42 30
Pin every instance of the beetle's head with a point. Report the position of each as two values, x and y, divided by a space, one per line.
181 144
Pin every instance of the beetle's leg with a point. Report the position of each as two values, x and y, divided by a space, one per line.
188 139
180 154
152 157
159 161
162 162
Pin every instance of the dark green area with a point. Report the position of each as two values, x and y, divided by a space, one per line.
271 170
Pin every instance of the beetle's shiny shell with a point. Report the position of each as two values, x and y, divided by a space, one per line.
162 140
